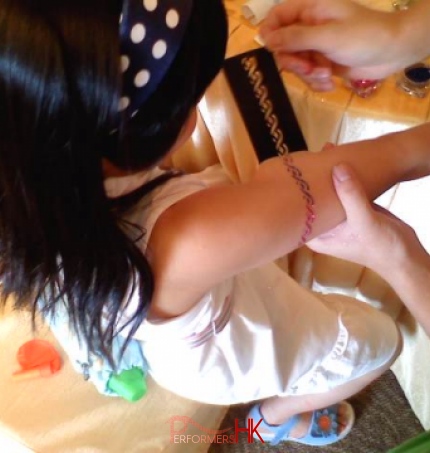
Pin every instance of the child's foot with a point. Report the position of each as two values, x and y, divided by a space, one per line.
320 427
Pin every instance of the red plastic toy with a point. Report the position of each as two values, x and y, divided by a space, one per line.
38 358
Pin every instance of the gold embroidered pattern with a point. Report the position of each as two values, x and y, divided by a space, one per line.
255 76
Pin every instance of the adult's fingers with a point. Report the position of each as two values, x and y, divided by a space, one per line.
282 15
319 78
352 195
299 37
299 63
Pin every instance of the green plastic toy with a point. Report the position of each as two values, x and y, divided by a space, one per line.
129 384
418 444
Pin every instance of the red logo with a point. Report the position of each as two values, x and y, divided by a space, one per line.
179 425
251 430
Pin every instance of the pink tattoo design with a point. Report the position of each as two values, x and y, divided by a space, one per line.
309 199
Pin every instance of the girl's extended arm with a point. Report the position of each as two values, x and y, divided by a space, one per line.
219 232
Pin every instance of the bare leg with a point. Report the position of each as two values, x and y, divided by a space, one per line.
278 410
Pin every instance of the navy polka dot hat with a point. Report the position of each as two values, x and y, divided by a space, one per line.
151 33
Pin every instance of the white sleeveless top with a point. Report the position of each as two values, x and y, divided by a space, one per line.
258 334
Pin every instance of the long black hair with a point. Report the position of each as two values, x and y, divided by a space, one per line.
60 239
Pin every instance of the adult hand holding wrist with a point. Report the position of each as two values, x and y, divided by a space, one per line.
370 235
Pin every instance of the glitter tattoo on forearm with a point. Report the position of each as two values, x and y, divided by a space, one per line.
309 199
255 76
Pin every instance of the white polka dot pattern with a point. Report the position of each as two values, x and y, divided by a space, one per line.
125 63
142 78
159 49
172 18
150 5
137 34
151 33
124 102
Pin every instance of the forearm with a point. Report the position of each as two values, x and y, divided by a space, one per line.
228 229
378 163
403 36
411 281
413 41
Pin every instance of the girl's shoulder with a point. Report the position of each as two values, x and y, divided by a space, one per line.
175 190
117 186
150 207
183 185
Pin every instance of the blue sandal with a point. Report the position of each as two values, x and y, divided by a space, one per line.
322 429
